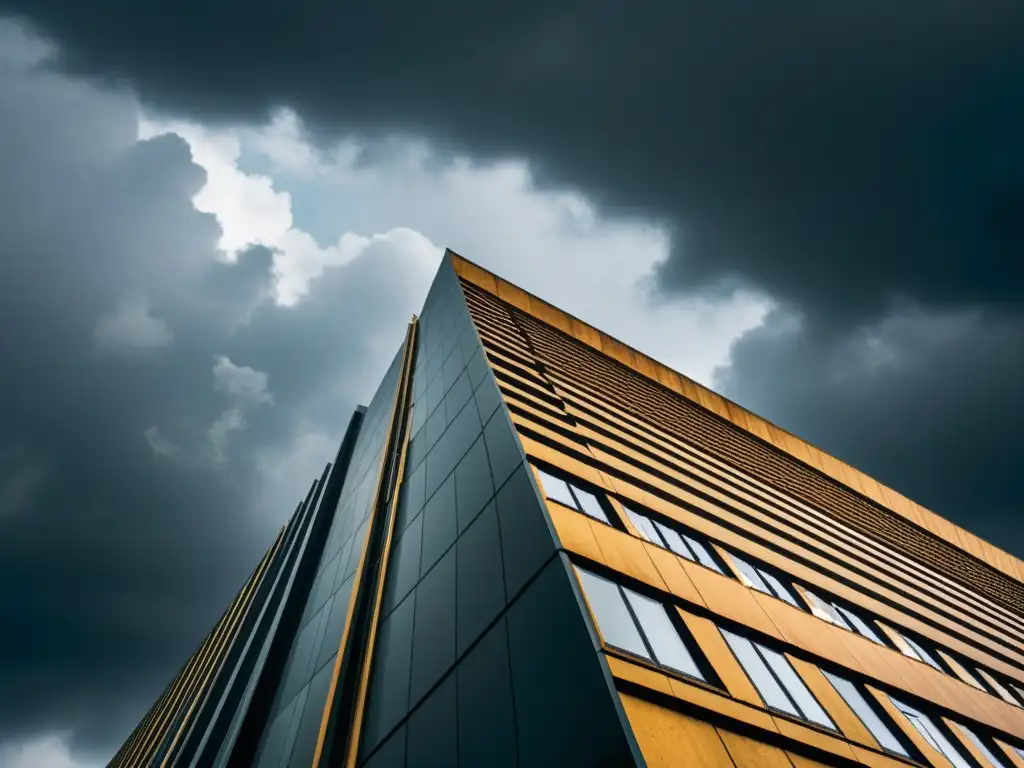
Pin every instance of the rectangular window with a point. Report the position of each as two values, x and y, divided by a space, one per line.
990 756
671 539
776 681
557 489
841 616
637 624
931 733
995 686
915 650
872 721
861 626
764 581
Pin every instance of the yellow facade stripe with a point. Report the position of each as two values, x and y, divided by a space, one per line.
364 678
183 726
158 731
733 412
325 717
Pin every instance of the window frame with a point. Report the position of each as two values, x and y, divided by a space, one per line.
891 727
931 730
685 537
759 650
575 487
706 673
761 571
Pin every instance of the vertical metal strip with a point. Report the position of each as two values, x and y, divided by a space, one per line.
327 736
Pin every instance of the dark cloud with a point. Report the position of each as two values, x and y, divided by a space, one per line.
126 523
926 403
831 156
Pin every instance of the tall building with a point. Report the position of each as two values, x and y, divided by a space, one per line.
538 547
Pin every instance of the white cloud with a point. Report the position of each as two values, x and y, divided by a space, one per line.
160 445
49 751
552 242
240 381
130 327
231 420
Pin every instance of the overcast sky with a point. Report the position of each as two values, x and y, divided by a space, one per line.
215 223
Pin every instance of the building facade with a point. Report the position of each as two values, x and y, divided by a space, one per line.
538 547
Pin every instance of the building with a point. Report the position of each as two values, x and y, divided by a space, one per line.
538 547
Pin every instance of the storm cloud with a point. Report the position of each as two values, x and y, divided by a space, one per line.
859 167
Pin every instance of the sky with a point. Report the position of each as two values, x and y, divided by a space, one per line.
216 222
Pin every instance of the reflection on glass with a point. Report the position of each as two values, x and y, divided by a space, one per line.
859 625
767 686
931 733
750 576
852 696
994 761
920 653
809 706
674 541
703 555
668 647
557 489
589 505
613 619
778 588
643 525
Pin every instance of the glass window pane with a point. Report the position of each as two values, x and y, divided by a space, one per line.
932 734
644 526
852 696
922 654
809 706
557 489
675 541
1019 751
766 684
994 761
861 626
668 647
704 556
588 504
1020 693
613 619
779 589
750 576
824 610
998 687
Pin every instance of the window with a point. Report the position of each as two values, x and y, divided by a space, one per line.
990 756
995 686
932 734
841 616
669 538
914 650
776 681
568 494
872 721
637 624
762 580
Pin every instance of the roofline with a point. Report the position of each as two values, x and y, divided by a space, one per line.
760 427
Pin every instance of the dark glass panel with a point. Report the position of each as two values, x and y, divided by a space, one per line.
404 567
488 398
309 727
473 484
526 540
439 524
481 585
391 753
457 397
478 368
502 447
434 636
387 701
487 730
335 624
565 710
433 730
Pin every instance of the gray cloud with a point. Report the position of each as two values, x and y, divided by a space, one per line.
130 510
